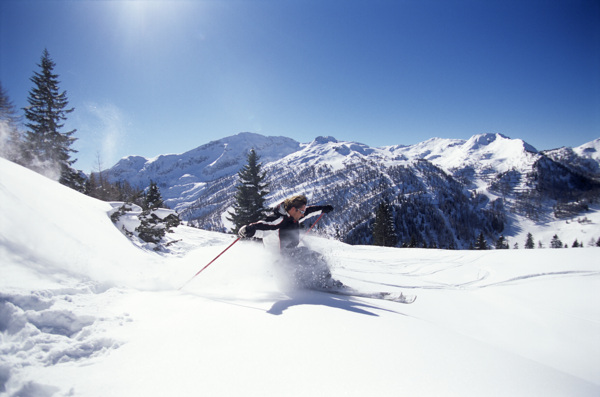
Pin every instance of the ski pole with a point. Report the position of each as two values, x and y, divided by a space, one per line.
313 225
209 263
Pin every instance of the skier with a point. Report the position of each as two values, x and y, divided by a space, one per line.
310 269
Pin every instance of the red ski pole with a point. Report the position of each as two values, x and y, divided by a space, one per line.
209 263
313 225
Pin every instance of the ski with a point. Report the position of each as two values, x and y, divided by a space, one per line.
388 296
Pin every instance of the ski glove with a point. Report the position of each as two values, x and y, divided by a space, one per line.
247 231
326 209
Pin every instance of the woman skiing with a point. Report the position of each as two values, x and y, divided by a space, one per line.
285 217
309 268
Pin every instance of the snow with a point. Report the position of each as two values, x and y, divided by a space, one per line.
84 312
484 151
185 175
589 150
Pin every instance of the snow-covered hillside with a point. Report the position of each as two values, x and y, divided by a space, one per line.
83 312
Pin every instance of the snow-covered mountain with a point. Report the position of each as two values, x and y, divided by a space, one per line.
182 177
84 312
458 188
584 159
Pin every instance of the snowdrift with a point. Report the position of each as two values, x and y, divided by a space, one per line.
85 312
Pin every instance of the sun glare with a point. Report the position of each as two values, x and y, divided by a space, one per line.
147 19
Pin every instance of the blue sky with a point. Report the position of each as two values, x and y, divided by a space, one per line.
157 77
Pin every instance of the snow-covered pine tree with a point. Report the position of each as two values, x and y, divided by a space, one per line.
555 242
153 199
250 196
502 243
529 243
384 233
153 223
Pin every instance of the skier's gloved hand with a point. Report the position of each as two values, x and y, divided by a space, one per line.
246 231
326 209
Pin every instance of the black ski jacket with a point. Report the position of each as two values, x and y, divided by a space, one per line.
289 229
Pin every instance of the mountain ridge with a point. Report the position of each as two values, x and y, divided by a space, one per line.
458 187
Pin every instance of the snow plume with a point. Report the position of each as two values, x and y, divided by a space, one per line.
6 149
246 266
109 125
10 143
11 148
49 169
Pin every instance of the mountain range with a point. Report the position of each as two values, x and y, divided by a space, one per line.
442 192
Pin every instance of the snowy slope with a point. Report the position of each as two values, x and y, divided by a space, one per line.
83 312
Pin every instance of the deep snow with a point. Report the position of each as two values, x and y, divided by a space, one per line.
84 312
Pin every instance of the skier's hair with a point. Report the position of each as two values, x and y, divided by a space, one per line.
296 201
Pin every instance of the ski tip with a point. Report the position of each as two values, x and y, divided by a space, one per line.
408 298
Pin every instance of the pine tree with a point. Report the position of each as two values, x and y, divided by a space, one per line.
413 242
529 243
46 147
481 243
502 243
384 233
555 242
153 227
250 196
153 198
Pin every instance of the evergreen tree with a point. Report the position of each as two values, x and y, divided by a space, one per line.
384 233
412 242
46 147
153 198
153 227
598 242
502 243
250 196
555 242
529 243
481 243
